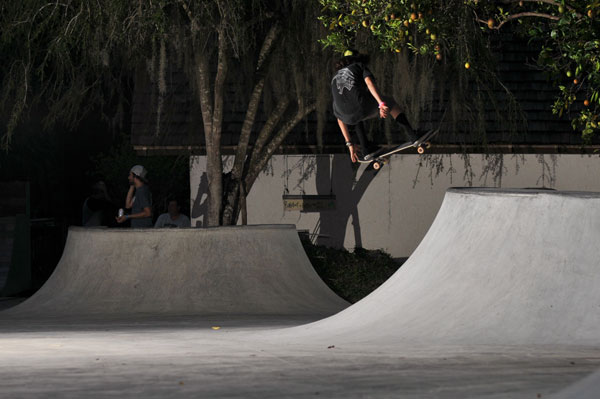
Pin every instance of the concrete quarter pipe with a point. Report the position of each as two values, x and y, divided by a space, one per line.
497 267
250 270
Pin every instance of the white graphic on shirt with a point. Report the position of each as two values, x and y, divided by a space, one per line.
344 79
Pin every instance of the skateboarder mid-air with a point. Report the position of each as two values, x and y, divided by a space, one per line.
356 98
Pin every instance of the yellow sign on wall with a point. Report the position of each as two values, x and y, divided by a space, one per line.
309 203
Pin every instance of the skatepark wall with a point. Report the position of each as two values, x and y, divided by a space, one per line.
393 208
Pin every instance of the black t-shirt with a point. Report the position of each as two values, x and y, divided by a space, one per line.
352 101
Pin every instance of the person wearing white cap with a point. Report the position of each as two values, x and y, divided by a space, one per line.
139 199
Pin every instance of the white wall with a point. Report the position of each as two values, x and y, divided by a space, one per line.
391 209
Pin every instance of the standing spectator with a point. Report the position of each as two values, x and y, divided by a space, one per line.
139 199
174 217
98 208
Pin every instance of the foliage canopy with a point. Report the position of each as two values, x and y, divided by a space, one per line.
450 31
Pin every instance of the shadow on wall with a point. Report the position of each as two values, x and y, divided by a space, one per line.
349 190
200 205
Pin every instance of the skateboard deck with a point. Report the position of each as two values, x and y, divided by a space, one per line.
422 144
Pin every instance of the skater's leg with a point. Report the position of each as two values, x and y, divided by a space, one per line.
409 133
365 145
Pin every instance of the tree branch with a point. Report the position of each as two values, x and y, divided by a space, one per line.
270 149
267 46
267 129
222 66
521 15
188 12
242 147
203 88
551 2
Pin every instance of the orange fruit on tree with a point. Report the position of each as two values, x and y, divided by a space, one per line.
575 81
467 65
586 103
438 57
491 23
413 16
590 13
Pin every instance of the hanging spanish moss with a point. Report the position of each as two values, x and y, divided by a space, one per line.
161 84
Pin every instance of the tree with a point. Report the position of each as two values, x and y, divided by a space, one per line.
453 31
73 55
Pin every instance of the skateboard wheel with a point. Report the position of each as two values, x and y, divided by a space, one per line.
420 150
428 145
376 165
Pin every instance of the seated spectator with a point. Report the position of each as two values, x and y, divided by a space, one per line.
173 218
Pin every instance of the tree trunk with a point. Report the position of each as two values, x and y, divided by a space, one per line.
233 191
244 210
212 115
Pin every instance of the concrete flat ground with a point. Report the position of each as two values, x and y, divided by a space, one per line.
185 357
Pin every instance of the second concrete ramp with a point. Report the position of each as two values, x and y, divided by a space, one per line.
250 270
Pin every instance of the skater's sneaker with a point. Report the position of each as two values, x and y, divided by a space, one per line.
373 155
411 136
367 157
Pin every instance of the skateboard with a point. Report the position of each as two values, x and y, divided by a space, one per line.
422 144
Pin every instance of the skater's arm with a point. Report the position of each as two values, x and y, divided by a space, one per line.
349 144
383 108
129 199
345 131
